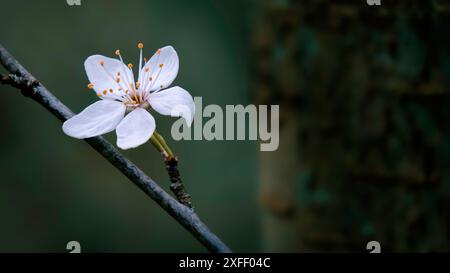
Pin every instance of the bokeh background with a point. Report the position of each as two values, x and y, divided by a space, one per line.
364 148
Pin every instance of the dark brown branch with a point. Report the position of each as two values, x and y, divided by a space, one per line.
19 82
30 87
176 184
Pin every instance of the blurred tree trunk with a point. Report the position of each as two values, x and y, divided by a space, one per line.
364 134
278 172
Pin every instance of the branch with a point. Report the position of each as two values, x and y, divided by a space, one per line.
20 78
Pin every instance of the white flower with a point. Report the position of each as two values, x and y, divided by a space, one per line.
114 83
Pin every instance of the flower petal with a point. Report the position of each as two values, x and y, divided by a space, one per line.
160 71
98 118
103 72
135 129
174 102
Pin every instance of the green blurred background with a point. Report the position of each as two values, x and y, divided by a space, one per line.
364 136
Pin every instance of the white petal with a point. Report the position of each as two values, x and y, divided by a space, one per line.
174 102
104 77
160 76
98 118
135 129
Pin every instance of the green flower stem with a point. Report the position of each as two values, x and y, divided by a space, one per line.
164 145
158 145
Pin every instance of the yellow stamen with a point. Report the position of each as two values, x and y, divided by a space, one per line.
161 65
147 69
102 63
104 92
137 84
140 45
117 52
118 80
151 78
135 95
90 86
110 90
130 66
134 92
158 51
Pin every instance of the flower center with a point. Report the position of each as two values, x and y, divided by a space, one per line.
131 106
135 98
